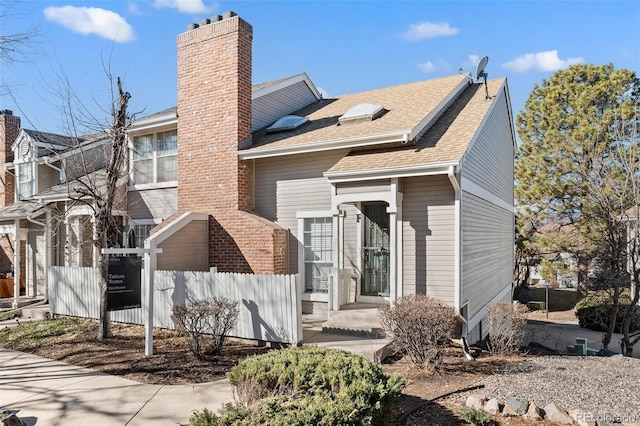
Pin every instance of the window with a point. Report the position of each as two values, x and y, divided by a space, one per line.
141 232
25 181
318 253
155 158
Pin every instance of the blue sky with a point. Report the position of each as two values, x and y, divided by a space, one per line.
344 47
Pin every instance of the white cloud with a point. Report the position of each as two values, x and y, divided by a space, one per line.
541 61
91 20
474 59
185 6
133 8
424 30
427 67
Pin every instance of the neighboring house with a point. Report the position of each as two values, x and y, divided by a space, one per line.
369 196
42 221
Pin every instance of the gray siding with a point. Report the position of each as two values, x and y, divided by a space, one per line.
287 185
267 109
381 185
429 237
187 249
152 203
85 162
487 251
489 161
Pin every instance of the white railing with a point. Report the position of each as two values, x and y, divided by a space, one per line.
270 305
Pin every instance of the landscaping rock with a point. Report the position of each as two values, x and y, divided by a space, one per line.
515 407
555 413
534 412
492 406
475 400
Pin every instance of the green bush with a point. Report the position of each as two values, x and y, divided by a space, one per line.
311 386
594 311
476 417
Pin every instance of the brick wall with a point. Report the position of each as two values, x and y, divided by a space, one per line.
214 121
9 130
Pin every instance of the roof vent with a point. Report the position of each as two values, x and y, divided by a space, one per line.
361 112
288 122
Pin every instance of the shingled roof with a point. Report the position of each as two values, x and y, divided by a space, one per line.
446 141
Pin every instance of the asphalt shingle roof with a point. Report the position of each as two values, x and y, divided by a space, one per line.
446 141
405 107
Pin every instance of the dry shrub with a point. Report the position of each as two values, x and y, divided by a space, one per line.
206 323
506 327
420 328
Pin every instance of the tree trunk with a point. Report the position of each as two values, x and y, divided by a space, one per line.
583 273
104 326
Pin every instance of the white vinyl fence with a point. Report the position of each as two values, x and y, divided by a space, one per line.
270 305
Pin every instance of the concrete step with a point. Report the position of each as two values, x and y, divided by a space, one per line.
354 320
36 312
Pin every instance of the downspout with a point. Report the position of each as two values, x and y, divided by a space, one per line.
451 173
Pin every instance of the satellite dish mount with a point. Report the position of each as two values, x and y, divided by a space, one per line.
482 74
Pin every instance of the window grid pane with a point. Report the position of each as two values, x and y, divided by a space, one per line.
318 253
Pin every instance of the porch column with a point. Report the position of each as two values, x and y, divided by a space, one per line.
395 240
336 238
47 254
16 264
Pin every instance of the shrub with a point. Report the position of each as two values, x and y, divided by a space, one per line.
476 416
310 385
595 310
206 323
506 327
420 327
230 415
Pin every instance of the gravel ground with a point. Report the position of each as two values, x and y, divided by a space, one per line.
594 384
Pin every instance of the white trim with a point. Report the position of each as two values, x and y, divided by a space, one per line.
177 224
78 211
386 196
168 118
286 83
401 136
153 221
475 189
475 320
159 185
313 214
7 229
391 172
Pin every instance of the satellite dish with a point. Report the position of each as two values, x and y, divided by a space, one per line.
480 69
482 74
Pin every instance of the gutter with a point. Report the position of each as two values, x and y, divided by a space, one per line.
403 136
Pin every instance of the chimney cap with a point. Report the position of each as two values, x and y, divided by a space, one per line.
192 26
229 14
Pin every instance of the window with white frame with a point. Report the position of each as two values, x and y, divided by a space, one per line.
25 181
155 158
318 253
141 232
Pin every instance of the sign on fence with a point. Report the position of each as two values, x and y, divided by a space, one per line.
123 283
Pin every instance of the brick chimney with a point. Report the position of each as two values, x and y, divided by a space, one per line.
9 130
214 121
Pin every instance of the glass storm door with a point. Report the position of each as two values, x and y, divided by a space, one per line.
375 250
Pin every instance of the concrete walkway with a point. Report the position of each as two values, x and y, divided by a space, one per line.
559 334
52 393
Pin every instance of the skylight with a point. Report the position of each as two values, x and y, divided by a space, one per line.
288 122
361 112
